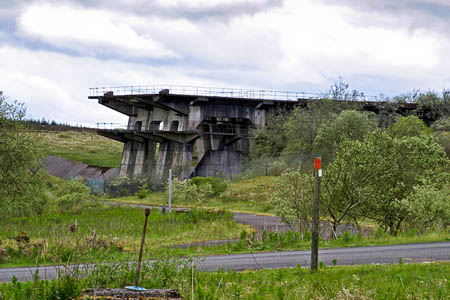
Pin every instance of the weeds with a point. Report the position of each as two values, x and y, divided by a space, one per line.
108 233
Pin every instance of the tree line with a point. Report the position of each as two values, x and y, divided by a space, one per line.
388 168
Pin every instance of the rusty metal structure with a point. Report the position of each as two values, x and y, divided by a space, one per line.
192 130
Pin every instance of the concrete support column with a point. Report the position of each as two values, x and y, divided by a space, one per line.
149 158
125 158
165 156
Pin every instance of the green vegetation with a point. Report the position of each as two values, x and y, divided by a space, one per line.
21 173
249 195
402 281
397 177
84 146
218 186
272 241
106 234
292 199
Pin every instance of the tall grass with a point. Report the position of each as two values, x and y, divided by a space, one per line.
107 234
384 282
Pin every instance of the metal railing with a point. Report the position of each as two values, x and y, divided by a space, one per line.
218 92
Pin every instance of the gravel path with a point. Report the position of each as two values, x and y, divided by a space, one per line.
258 222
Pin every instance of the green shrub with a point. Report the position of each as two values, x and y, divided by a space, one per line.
185 192
143 192
64 136
72 195
218 185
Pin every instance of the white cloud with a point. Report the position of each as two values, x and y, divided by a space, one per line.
56 86
88 32
302 46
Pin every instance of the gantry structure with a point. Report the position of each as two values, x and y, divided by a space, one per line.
169 125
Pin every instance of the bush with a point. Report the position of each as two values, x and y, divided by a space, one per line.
130 185
22 174
185 192
292 199
143 192
217 184
72 196
427 206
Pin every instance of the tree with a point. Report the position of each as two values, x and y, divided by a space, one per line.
402 164
371 178
345 181
408 126
271 140
21 171
441 130
349 124
428 205
293 199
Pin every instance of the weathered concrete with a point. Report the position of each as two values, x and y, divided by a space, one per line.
67 169
118 294
165 130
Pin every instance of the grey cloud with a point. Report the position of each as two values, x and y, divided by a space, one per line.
223 11
407 13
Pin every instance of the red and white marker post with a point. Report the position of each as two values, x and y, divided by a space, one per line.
315 217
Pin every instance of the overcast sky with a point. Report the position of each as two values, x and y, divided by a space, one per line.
52 52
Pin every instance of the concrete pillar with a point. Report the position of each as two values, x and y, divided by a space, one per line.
149 158
125 158
140 150
165 155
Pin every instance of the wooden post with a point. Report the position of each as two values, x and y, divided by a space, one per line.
315 216
147 212
170 190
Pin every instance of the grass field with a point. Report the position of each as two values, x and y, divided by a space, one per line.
249 195
84 146
383 282
361 282
106 234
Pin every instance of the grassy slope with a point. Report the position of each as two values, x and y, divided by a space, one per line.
83 146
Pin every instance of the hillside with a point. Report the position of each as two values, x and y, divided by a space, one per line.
81 145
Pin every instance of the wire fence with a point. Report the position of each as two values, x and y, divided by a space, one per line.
218 92
119 186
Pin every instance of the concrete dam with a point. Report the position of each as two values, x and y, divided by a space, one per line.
169 125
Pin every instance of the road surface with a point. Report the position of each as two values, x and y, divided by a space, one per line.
391 254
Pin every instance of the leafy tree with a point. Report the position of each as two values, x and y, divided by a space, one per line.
402 164
443 124
432 105
271 140
303 125
371 178
441 130
293 199
428 205
21 172
408 126
345 182
349 124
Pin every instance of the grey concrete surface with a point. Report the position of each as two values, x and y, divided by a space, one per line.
426 252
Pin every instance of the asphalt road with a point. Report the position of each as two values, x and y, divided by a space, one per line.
344 256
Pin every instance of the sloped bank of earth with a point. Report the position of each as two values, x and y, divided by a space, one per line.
68 169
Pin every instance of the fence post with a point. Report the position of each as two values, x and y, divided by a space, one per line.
170 190
266 165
